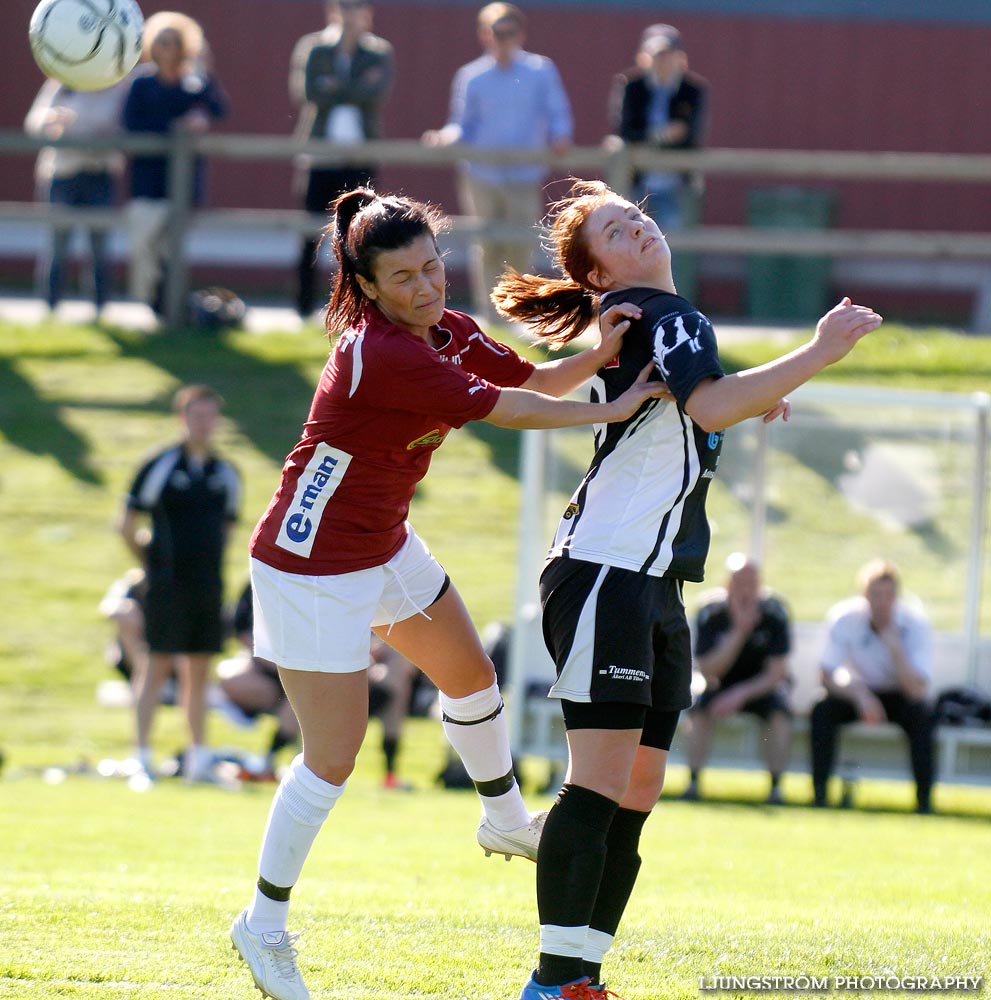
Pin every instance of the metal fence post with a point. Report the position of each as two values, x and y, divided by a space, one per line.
532 546
972 610
182 168
758 512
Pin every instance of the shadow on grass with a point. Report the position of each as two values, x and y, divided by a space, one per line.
727 802
33 424
268 400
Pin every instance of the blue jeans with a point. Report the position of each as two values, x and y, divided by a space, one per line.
90 190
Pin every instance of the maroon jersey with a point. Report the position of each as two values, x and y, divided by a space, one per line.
385 403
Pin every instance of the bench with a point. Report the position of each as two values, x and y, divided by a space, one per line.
865 751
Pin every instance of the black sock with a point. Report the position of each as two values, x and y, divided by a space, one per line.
390 749
570 864
619 876
775 778
694 776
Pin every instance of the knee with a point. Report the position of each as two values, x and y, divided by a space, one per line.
335 769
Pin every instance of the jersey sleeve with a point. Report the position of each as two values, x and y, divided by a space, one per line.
685 352
835 653
776 616
140 496
495 362
412 379
707 628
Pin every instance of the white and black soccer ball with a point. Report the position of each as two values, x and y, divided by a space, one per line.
86 44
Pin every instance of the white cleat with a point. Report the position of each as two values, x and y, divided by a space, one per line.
522 842
271 958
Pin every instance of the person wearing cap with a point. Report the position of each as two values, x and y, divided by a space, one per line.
742 643
508 98
661 103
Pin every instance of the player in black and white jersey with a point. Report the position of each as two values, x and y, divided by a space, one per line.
634 531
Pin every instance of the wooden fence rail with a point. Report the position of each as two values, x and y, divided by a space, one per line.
617 166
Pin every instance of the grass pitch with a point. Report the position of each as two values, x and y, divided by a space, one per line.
112 894
109 893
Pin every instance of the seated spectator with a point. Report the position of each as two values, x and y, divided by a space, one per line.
252 685
876 668
390 688
123 604
741 649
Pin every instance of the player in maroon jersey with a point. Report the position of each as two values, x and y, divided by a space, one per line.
334 554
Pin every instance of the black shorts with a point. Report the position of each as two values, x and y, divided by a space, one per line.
616 636
183 619
763 706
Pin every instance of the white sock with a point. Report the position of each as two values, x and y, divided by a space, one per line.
597 945
301 804
475 727
567 942
196 761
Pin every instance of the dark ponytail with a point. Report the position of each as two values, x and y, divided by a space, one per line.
364 224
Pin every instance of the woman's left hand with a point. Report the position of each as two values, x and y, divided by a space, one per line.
782 408
613 323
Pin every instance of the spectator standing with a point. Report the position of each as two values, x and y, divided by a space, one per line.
297 64
80 178
662 104
191 496
507 98
743 638
346 76
180 93
634 531
876 668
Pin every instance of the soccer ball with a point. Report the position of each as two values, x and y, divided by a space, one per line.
86 44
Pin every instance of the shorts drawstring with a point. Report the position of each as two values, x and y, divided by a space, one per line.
406 600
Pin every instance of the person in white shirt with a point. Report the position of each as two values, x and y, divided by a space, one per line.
876 668
76 177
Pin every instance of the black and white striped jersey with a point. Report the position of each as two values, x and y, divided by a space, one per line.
641 505
191 505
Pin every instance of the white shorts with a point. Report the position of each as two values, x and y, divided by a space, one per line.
322 623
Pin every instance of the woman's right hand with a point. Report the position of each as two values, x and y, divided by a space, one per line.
623 407
841 328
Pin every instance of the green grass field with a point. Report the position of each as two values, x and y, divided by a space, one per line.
109 893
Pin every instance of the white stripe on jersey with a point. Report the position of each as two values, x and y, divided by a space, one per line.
357 363
634 496
232 487
574 682
315 486
157 477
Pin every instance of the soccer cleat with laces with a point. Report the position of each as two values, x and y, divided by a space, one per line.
522 842
579 989
271 958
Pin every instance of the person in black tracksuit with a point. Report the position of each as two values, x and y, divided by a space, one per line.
191 496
